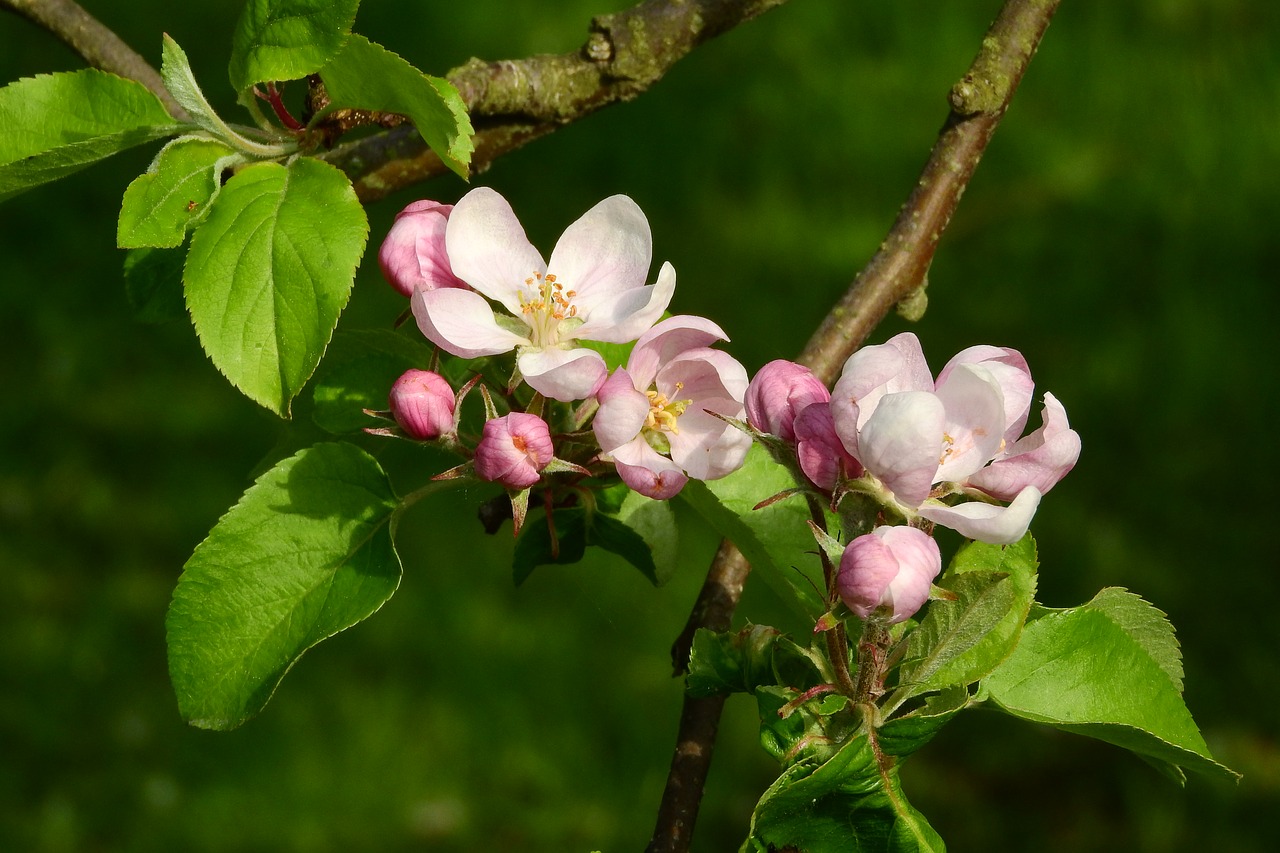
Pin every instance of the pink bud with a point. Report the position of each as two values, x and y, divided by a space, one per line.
422 404
514 449
822 457
413 254
890 568
780 391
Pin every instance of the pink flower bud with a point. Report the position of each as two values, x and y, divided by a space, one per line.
422 404
514 449
779 392
822 457
890 568
413 254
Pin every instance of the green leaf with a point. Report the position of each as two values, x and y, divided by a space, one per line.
153 284
368 76
304 554
961 641
357 374
161 205
1110 669
269 272
903 735
57 124
775 539
722 663
287 39
848 804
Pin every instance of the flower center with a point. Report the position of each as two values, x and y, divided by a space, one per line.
663 413
544 310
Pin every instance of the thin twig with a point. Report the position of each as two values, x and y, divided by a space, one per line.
896 271
99 45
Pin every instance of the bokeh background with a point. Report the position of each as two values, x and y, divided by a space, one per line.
1121 232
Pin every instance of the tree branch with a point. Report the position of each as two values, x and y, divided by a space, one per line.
99 46
896 271
513 102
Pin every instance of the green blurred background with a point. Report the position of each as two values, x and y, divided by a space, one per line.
1121 232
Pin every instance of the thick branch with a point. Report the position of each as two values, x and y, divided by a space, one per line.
512 102
99 46
897 270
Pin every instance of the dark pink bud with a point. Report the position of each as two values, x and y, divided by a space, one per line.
413 254
514 449
422 404
890 568
779 392
822 457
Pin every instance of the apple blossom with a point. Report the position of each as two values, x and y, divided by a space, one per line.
593 288
423 403
778 393
413 254
890 568
920 440
655 416
821 456
514 449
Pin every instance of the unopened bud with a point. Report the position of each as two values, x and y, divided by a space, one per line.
889 569
779 392
513 450
413 254
422 403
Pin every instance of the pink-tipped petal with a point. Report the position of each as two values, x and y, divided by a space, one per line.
622 412
974 426
488 248
999 525
648 472
1040 459
461 323
667 340
563 374
901 441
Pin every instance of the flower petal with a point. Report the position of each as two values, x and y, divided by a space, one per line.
706 447
822 457
622 412
607 251
647 471
1010 370
1040 459
627 315
488 248
461 322
562 374
999 525
974 427
901 442
668 339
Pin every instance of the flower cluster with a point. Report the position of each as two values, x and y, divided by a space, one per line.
948 451
478 287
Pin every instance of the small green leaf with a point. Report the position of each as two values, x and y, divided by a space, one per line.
368 76
775 539
1110 669
961 641
153 284
57 124
287 39
269 272
903 735
357 374
722 663
161 205
848 804
306 552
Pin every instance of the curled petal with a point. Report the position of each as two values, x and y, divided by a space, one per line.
488 248
1010 370
667 340
625 316
605 252
462 323
999 525
622 412
1040 459
563 374
974 425
647 471
706 447
901 442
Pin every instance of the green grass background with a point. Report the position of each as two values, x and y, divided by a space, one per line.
1121 232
